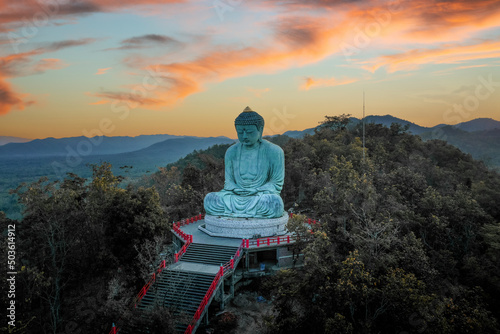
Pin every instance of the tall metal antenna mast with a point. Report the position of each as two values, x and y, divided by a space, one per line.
363 126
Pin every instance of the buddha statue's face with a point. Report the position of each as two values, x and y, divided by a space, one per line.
248 135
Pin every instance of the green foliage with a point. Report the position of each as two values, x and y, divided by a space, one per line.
182 186
407 235
336 122
73 237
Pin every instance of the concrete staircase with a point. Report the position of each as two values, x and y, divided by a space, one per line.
182 286
208 254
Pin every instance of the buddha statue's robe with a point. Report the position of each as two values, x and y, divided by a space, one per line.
263 171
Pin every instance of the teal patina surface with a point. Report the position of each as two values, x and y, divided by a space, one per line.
254 174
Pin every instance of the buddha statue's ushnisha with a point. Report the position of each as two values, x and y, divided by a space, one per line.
254 174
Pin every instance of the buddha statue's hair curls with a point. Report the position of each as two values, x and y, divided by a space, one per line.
249 117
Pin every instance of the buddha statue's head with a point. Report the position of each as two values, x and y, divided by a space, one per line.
249 127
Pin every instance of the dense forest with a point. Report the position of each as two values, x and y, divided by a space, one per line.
408 240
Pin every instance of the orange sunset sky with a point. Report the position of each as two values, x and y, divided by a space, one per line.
130 67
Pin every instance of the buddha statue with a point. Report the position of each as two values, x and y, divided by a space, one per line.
254 174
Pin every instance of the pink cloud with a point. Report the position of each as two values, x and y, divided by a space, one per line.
310 82
301 38
23 64
444 54
102 71
9 99
48 64
100 102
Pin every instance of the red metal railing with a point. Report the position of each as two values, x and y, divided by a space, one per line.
146 286
188 238
114 330
225 268
205 301
270 241
278 240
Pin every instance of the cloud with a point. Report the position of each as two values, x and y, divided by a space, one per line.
294 43
56 46
146 41
451 53
47 64
300 38
9 99
132 99
100 102
310 82
101 71
24 64
17 14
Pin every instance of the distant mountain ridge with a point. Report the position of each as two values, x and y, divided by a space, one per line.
82 145
22 147
9 139
478 124
162 153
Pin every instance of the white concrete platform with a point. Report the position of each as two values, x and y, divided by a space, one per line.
244 228
203 238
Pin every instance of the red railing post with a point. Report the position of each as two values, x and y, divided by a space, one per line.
288 239
268 241
279 240
258 240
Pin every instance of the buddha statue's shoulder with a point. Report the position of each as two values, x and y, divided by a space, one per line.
271 148
233 149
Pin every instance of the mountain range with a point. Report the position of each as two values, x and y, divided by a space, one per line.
8 139
90 146
479 137
478 124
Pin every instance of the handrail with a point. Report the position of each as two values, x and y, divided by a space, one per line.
114 329
204 302
269 241
225 268
188 238
148 284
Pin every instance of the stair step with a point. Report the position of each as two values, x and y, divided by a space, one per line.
182 291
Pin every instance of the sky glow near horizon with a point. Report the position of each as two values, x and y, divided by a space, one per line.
131 67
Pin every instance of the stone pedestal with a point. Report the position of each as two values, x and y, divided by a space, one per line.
244 228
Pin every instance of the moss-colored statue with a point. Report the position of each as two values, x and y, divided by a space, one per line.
254 174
